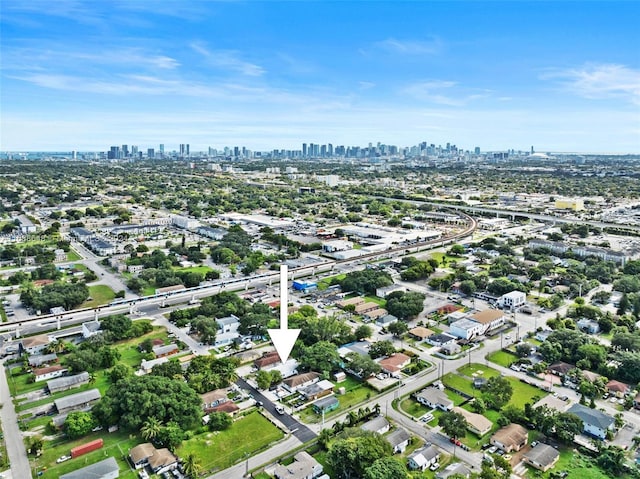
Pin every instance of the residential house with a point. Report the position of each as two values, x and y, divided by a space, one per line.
355 301
399 440
60 255
560 368
386 290
510 438
386 320
317 390
441 339
105 469
542 457
83 235
455 468
165 350
364 308
298 381
595 422
147 365
158 460
81 401
543 334
213 399
65 383
394 364
49 372
588 326
489 318
304 466
423 458
467 328
135 268
476 423
451 349
377 424
374 315
40 359
420 333
228 330
360 347
326 404
214 233
617 388
267 359
513 300
34 344
434 398
90 328
552 403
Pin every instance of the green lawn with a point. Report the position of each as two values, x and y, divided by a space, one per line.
577 465
72 255
502 358
19 382
439 256
195 269
116 444
413 407
100 294
356 393
324 283
219 450
522 392
375 299
321 457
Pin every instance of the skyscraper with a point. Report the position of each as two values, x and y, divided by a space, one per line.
304 150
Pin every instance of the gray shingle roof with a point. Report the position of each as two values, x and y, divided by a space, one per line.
592 416
95 471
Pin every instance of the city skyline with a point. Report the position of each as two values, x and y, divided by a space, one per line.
80 75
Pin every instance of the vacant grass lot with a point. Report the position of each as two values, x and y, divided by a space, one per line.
324 283
522 393
576 465
219 450
116 444
502 358
100 294
195 269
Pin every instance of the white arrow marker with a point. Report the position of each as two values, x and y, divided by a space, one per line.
284 338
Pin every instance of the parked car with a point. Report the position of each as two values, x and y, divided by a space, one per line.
62 459
434 466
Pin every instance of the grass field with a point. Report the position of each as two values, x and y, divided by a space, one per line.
324 283
356 392
195 269
116 444
100 294
502 358
576 465
72 255
375 299
522 392
413 407
219 450
447 258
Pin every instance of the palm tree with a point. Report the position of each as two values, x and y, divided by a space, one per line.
191 465
376 409
352 417
150 428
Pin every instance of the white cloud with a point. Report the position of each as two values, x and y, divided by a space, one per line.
228 59
366 85
411 47
600 81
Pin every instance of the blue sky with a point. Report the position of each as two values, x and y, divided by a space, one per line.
89 74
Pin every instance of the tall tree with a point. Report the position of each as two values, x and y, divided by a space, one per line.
453 424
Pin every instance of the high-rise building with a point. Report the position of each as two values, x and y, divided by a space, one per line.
151 154
125 151
113 153
330 149
304 150
161 150
187 149
477 150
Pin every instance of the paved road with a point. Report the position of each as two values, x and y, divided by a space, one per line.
12 436
302 432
